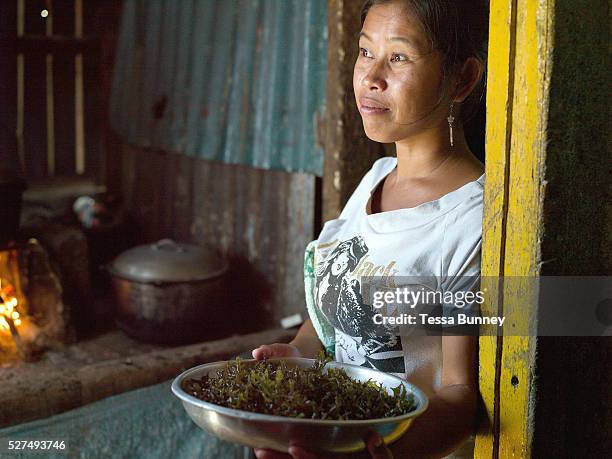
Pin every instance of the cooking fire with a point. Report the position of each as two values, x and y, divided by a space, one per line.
9 316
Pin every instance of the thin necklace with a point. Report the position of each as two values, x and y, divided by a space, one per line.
435 168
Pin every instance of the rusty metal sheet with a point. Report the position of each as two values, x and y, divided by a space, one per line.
239 81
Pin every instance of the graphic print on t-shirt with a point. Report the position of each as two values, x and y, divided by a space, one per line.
339 297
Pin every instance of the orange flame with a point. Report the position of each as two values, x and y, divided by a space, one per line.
8 305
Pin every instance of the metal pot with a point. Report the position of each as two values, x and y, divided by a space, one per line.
171 293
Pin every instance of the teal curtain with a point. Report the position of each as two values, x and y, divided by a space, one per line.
239 81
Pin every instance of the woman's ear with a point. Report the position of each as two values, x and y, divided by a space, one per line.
468 78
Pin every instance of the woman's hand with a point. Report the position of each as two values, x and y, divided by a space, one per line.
270 351
295 452
305 344
375 445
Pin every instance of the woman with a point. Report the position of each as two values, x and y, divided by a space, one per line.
332 287
415 215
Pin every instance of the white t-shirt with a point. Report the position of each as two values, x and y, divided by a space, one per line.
439 239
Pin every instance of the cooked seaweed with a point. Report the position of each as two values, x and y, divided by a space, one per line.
273 387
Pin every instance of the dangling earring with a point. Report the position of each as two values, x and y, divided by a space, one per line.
450 120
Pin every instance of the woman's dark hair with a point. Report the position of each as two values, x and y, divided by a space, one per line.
458 29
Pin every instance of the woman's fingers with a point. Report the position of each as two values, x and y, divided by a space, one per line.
259 353
377 447
269 351
298 452
295 452
270 454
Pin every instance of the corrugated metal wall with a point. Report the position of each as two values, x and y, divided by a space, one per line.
261 219
238 81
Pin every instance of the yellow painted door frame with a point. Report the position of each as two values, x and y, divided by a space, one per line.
517 107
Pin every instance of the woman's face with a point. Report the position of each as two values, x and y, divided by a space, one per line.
397 76
340 264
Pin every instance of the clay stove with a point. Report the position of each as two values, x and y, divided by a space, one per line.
32 314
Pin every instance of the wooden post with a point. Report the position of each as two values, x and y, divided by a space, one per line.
499 112
79 120
50 101
348 152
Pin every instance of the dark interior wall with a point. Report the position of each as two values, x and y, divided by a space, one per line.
574 401
8 88
578 202
103 20
475 130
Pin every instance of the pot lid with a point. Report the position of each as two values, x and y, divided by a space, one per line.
168 261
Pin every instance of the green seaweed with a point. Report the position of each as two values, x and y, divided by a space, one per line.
276 388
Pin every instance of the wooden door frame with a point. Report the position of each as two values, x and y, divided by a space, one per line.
517 101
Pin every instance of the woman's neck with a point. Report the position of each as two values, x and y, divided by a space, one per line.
424 154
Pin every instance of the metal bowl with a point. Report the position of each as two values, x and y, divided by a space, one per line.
279 432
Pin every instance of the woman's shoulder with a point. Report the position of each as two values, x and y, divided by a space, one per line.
464 205
463 224
382 166
462 235
379 169
466 216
